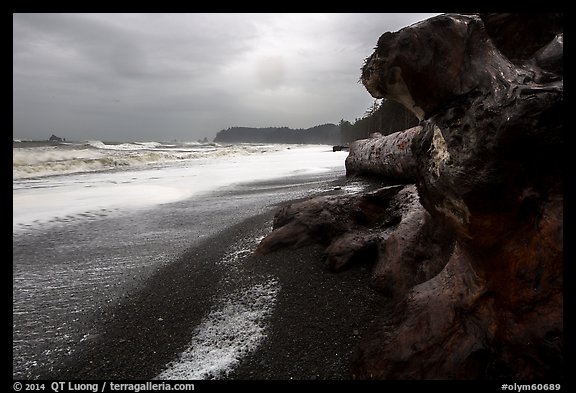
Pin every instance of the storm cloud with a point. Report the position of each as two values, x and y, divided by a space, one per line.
120 77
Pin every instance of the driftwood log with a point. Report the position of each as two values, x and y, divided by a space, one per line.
472 252
387 156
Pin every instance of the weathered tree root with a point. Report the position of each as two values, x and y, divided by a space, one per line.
387 228
487 167
474 257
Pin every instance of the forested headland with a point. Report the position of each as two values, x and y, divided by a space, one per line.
384 116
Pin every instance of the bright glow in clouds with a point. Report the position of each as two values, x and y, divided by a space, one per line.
129 77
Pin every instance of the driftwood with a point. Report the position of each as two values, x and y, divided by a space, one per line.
387 228
387 156
472 252
488 167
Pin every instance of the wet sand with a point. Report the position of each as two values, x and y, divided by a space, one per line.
317 320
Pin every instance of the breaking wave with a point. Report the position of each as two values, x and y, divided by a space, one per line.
40 159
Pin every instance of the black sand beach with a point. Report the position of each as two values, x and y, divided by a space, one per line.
317 320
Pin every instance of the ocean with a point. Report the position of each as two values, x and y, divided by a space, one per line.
93 221
55 183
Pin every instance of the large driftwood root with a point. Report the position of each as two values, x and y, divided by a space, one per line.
387 228
488 167
473 252
466 323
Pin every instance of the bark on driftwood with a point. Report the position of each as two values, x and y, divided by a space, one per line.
473 251
488 167
387 228
387 156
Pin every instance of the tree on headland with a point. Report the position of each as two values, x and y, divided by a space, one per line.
384 116
320 134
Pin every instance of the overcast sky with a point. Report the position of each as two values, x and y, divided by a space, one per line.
157 77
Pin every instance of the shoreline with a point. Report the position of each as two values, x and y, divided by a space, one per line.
147 329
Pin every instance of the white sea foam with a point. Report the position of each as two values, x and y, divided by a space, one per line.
93 156
48 200
226 335
354 187
239 250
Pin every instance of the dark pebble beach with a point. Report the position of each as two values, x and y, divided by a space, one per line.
317 319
